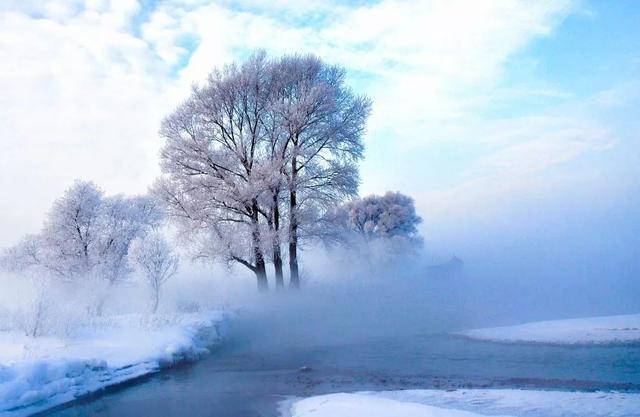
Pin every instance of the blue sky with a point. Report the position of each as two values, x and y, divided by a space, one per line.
482 110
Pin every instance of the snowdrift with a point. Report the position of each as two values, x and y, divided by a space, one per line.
623 329
36 374
466 403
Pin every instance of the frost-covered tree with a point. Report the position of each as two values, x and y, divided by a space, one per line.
34 318
122 220
85 235
319 123
272 174
386 224
259 148
24 255
213 147
153 255
68 242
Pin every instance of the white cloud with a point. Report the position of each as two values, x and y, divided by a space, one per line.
81 98
84 93
436 58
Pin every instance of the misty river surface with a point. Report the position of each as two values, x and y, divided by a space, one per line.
242 379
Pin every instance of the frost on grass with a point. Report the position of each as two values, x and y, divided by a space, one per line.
467 403
590 330
38 373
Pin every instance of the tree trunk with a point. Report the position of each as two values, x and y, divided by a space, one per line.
277 254
156 300
260 269
294 281
261 275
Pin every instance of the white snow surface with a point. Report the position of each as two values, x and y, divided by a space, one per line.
590 330
39 373
367 405
466 403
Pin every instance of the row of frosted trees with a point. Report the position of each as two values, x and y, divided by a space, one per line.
257 161
257 154
88 236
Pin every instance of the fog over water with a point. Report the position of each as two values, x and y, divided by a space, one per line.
559 259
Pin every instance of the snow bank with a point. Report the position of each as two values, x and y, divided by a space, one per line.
352 405
591 330
467 403
39 373
527 403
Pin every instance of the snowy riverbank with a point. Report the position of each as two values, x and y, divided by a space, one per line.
466 403
39 373
589 330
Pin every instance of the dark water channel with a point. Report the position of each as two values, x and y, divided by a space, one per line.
241 379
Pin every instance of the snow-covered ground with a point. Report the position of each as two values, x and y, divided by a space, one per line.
38 373
466 403
590 330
